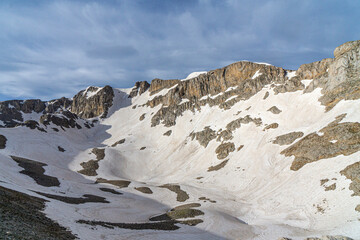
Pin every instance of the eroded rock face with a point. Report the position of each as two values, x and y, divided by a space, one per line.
158 84
338 138
204 136
64 120
224 149
93 102
352 172
238 81
11 111
339 76
139 88
3 141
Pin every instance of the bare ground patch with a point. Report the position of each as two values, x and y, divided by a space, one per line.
36 171
118 183
182 196
145 190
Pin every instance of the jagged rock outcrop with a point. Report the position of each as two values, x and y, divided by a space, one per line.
352 172
93 102
204 136
67 119
224 149
238 81
337 138
11 111
139 88
54 105
3 141
274 110
338 77
158 84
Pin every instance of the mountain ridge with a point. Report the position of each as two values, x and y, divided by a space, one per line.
250 149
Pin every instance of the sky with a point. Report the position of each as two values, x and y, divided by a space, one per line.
50 49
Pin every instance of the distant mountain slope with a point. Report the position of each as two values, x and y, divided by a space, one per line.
248 151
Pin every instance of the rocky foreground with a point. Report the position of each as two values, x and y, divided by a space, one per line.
248 151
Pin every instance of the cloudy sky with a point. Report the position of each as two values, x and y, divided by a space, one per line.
51 49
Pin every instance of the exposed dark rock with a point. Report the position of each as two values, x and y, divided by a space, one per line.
314 147
118 142
3 141
331 187
142 117
158 84
224 149
207 199
225 135
270 126
142 148
352 172
118 183
61 103
66 120
61 149
36 171
204 136
323 181
22 217
110 191
164 226
96 105
99 153
186 206
89 168
288 138
237 75
274 110
87 198
182 196
145 190
31 124
218 167
338 77
168 133
266 95
178 214
139 88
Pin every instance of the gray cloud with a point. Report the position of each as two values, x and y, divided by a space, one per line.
55 48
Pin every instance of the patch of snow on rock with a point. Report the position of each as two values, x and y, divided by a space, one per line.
258 73
193 75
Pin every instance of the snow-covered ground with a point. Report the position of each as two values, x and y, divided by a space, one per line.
254 196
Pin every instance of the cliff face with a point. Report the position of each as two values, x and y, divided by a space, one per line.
337 77
93 102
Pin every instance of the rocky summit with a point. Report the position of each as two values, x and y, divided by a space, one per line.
247 151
